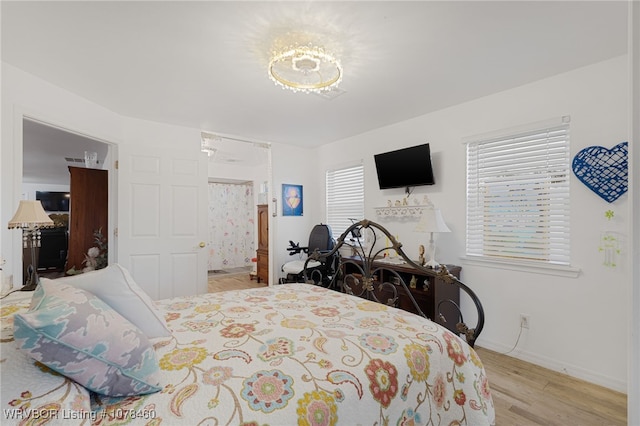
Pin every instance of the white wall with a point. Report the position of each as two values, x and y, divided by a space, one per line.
578 325
296 166
633 394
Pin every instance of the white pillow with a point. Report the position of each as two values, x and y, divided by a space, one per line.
116 287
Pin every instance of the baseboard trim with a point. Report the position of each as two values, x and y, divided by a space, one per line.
554 365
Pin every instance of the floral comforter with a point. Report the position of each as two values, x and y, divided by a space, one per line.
283 355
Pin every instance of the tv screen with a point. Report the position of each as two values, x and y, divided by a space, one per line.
53 201
405 167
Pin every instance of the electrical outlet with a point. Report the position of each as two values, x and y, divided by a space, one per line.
525 321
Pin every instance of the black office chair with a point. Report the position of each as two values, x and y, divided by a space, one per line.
320 272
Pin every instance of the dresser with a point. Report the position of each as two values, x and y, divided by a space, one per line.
434 296
262 253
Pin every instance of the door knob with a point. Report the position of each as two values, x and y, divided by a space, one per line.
202 244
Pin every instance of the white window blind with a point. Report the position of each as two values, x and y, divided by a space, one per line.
345 197
518 196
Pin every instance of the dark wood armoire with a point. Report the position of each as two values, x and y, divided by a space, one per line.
88 212
262 253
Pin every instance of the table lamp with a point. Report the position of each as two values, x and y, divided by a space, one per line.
433 222
30 217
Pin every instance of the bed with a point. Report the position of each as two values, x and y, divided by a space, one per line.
281 355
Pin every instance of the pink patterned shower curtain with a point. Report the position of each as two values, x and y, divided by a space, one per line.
231 226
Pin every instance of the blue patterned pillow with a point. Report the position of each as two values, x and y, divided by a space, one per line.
115 286
78 335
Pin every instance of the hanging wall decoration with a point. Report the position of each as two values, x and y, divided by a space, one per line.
291 200
609 244
602 170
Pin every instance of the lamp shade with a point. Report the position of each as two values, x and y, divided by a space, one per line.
432 221
30 214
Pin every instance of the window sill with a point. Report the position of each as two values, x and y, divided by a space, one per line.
535 268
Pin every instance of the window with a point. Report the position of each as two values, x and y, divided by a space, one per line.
518 195
345 197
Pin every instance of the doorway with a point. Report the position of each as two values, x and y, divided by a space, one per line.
231 226
239 172
49 153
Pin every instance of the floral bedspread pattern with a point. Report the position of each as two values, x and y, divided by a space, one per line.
31 393
300 354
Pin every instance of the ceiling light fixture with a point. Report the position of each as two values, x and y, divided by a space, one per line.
307 69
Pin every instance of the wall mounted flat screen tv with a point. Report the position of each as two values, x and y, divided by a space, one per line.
53 201
405 167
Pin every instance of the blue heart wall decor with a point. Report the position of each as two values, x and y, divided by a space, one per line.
604 171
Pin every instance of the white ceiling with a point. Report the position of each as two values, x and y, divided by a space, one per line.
203 64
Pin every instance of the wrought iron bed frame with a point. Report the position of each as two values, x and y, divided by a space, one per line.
367 283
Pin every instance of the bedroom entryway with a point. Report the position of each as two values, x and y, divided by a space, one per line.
51 156
238 181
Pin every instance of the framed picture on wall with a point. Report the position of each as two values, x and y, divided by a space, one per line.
291 200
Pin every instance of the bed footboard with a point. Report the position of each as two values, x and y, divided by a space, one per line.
372 272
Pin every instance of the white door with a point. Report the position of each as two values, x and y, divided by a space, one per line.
162 213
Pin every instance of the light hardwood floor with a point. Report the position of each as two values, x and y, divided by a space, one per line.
524 394
236 281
